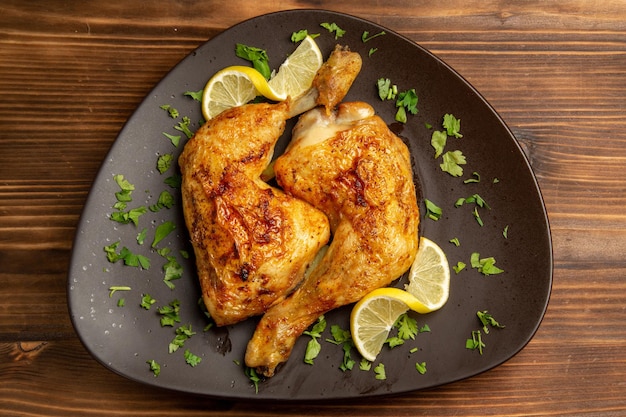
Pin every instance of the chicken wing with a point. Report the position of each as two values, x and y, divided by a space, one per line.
252 242
349 165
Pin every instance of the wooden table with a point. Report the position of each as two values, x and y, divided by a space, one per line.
71 73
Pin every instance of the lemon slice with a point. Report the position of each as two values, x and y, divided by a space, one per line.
237 85
429 276
374 315
232 87
295 75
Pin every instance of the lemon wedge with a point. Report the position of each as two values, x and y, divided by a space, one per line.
237 85
429 276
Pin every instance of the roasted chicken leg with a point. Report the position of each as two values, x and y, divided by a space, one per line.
252 242
349 165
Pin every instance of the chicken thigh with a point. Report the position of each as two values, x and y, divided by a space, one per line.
348 164
252 242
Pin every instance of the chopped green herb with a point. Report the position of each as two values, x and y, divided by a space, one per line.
192 359
164 161
406 102
413 350
487 320
257 56
485 266
407 327
121 302
162 231
175 139
433 211
196 95
386 90
126 189
475 179
184 127
173 113
365 365
477 216
126 255
113 289
132 215
438 141
147 301
455 242
505 232
165 200
301 35
452 161
141 236
172 270
182 334
174 181
344 338
154 367
365 37
379 370
313 347
475 342
372 51
452 125
459 267
170 313
333 28
425 328
253 377
421 367
495 181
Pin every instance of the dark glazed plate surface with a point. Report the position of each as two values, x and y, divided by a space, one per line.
124 338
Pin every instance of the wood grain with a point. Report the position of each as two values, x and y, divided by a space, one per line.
71 74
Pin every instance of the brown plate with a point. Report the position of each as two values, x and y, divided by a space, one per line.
125 338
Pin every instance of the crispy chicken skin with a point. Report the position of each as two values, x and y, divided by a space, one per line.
352 167
252 242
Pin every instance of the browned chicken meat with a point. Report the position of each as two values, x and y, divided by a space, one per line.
252 242
348 164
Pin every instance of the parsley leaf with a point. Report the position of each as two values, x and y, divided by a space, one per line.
365 37
379 370
164 161
407 327
196 95
421 367
257 56
313 347
147 301
433 211
486 266
452 125
406 101
184 127
487 320
253 377
333 28
301 35
129 258
182 334
170 313
386 90
451 163
438 142
175 139
154 367
192 359
162 231
173 113
165 200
